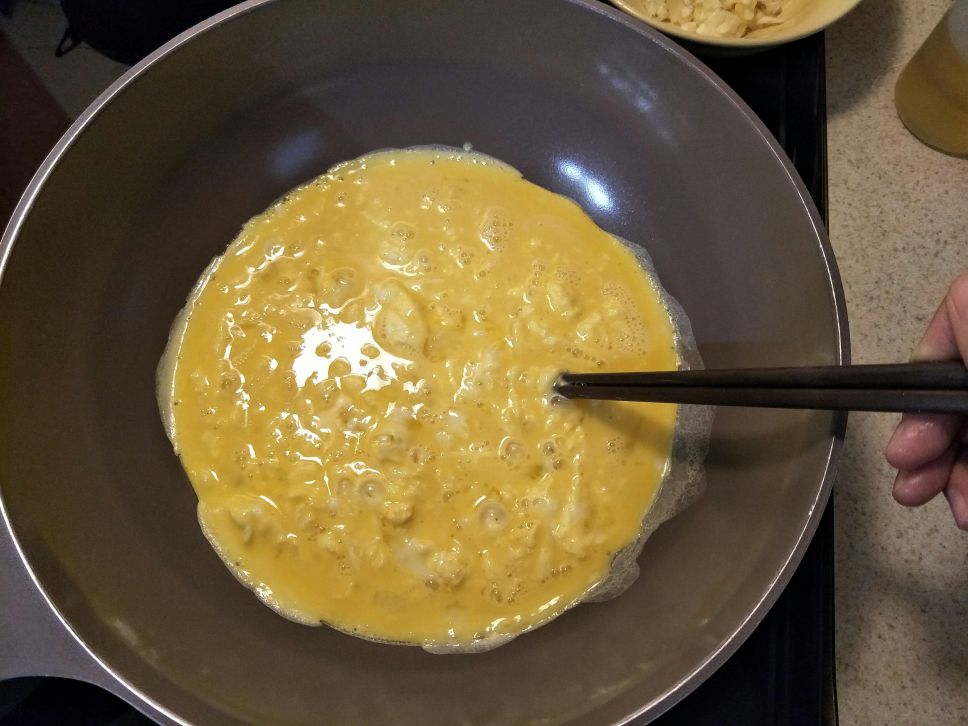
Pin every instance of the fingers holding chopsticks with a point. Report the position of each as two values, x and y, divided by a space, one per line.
931 451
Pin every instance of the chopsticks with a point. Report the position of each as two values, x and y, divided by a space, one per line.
904 387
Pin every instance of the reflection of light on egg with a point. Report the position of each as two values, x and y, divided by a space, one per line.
352 342
364 409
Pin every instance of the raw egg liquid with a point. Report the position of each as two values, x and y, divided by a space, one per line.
360 390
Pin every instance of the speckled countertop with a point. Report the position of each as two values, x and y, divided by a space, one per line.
899 228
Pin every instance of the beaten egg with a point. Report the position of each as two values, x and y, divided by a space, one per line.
360 390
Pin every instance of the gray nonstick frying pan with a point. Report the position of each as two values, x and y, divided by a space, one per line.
104 573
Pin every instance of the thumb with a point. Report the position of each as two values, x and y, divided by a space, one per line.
946 337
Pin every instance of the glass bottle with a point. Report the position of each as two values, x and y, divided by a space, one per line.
931 94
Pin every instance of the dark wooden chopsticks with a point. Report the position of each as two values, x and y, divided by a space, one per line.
904 387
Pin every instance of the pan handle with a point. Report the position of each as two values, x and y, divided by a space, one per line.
34 641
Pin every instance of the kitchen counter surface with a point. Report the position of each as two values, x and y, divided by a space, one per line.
899 228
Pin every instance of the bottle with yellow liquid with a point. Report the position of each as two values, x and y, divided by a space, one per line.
931 95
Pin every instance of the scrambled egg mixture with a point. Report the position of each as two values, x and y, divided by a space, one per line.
360 390
717 18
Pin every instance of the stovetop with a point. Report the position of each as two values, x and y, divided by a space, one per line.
784 673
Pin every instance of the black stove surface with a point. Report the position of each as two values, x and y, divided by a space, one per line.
784 673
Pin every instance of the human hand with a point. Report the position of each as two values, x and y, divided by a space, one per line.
930 451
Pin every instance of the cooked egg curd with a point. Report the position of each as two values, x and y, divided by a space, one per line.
360 390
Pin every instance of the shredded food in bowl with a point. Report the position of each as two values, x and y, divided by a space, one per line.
717 18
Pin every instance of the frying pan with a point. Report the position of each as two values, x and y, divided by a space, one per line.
106 576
